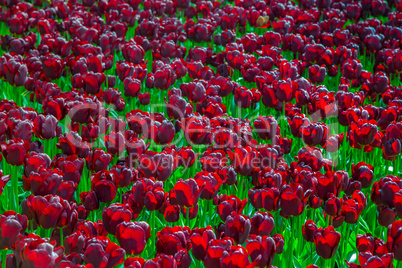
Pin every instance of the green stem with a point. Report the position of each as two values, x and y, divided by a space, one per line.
61 237
4 259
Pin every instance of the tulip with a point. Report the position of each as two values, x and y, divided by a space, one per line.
15 151
11 226
133 236
326 242
115 214
263 246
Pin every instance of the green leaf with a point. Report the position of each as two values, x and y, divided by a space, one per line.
351 257
296 262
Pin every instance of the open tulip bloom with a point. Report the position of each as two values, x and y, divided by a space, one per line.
193 133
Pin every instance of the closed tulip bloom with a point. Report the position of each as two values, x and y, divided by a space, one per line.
185 193
115 214
98 160
15 151
326 242
133 236
309 229
263 246
237 227
11 226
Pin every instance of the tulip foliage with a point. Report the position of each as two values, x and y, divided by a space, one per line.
178 133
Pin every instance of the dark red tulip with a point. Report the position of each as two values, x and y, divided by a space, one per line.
145 98
284 90
171 212
309 229
315 133
101 252
71 144
131 87
103 184
266 127
215 251
363 131
11 226
229 203
90 200
261 249
98 160
267 198
185 193
317 74
199 241
364 173
237 227
15 151
44 181
326 242
394 239
262 223
115 214
156 165
33 251
291 200
71 166
15 72
165 132
50 211
172 239
133 236
115 143
53 66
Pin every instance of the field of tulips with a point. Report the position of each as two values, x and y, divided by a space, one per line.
194 133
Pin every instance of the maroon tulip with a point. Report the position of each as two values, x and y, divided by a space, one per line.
131 87
185 193
237 227
317 74
156 165
33 251
45 127
115 143
326 242
15 72
101 252
262 250
165 132
51 211
199 241
15 151
98 160
103 184
11 226
291 200
172 239
363 173
309 229
133 236
266 127
71 144
262 223
90 200
115 214
394 239
267 198
44 181
229 203
53 66
315 134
